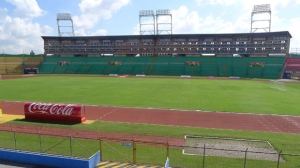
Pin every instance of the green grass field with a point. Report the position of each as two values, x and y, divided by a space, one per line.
246 96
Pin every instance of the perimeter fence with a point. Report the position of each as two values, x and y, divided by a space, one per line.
136 149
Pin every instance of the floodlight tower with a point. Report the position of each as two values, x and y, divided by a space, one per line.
66 17
147 13
164 13
261 9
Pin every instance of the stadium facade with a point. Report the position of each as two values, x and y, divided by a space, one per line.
244 44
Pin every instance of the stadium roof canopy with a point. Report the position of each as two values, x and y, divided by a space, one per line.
173 35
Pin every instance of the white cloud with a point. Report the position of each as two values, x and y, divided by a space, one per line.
185 21
294 30
3 13
92 11
18 34
242 22
26 8
47 30
214 2
81 32
190 22
99 32
273 3
136 29
147 26
246 4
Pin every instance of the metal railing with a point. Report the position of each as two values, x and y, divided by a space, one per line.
135 149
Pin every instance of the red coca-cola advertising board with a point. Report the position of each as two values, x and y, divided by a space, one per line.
54 112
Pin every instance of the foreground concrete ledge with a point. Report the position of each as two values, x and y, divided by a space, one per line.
49 160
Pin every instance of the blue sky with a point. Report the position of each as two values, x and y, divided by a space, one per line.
23 22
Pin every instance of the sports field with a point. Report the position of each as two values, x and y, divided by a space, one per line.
242 96
223 95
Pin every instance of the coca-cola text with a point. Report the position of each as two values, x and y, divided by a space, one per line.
55 109
55 112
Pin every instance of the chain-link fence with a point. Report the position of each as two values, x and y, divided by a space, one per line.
45 143
140 149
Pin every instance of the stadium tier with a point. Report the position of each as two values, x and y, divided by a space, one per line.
295 55
292 68
245 44
292 63
246 67
15 64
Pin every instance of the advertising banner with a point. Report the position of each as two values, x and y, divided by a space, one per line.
54 112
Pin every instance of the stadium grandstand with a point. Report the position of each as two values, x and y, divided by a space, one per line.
245 44
246 55
249 55
21 63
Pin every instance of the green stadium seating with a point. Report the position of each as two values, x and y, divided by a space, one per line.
167 65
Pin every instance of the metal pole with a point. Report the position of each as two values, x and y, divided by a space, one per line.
167 150
251 22
153 17
203 161
134 153
41 149
71 146
245 158
270 22
140 25
278 159
100 149
15 139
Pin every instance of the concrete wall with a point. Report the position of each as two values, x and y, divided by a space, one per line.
49 160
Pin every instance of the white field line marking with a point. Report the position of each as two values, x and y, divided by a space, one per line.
297 124
108 113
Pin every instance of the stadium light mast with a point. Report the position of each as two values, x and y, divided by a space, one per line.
164 13
147 24
261 9
67 28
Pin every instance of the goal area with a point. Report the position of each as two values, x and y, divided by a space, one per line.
230 148
277 85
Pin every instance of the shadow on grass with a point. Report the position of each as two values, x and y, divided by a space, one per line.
39 122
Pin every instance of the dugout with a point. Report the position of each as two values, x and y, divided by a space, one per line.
30 70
